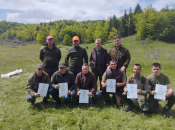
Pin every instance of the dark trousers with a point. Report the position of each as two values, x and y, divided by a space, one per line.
32 99
117 96
50 71
95 95
98 73
154 102
75 71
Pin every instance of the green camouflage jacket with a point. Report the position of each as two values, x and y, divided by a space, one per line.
33 83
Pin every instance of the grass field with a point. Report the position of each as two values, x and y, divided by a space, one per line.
17 114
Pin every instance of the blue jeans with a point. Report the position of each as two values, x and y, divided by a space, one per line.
55 95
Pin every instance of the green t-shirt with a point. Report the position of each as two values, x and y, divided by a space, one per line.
161 79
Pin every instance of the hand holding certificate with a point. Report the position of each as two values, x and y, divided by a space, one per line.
42 89
111 85
63 89
132 91
160 92
83 97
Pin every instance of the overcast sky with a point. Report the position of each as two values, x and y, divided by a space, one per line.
36 11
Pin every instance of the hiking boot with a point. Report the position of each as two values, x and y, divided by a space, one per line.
165 113
129 108
45 100
57 104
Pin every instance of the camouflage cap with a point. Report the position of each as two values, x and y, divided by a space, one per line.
39 66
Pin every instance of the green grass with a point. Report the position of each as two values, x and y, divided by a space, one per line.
16 113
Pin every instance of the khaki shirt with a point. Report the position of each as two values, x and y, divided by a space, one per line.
144 87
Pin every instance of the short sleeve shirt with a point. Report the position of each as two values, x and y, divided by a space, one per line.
161 79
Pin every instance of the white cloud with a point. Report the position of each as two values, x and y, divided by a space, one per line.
36 11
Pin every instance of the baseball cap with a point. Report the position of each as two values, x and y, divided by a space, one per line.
62 64
49 37
39 66
75 38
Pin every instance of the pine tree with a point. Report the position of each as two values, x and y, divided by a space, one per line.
138 9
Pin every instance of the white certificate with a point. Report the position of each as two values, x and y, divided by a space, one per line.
63 89
83 97
132 91
111 85
42 89
160 92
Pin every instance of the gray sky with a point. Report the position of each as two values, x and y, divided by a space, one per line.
36 11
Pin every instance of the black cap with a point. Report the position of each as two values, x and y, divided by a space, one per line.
62 64
39 66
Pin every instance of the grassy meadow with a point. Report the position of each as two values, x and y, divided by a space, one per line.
17 114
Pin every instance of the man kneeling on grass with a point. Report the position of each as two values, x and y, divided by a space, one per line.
142 89
33 83
159 78
62 76
119 76
87 80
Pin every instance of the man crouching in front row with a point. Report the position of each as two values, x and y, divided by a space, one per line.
33 83
142 89
114 73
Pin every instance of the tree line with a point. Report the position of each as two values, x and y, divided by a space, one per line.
149 23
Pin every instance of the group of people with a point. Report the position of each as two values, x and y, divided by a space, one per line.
111 65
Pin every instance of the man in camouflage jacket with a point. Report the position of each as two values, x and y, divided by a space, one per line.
33 83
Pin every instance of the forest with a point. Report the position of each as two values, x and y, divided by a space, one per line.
148 24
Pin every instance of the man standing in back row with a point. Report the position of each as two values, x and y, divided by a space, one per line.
50 55
120 55
98 60
76 54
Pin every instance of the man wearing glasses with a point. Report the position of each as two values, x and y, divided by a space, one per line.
76 55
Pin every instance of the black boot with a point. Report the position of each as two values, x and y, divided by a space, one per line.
165 112
129 108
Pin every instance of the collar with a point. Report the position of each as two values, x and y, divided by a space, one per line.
139 76
119 47
53 45
97 49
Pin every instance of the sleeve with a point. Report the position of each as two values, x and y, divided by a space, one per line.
94 83
146 88
72 82
67 58
108 58
167 81
29 87
53 81
77 83
128 58
90 59
124 76
41 54
85 56
59 55
104 76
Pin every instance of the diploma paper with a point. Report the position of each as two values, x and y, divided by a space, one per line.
111 85
63 89
160 92
83 97
42 89
132 91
